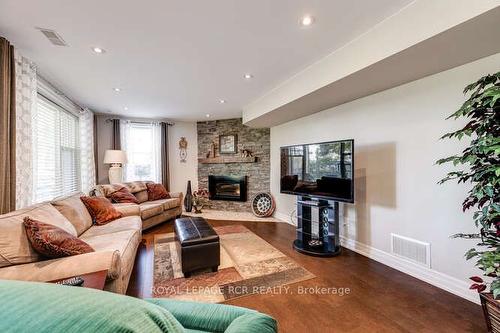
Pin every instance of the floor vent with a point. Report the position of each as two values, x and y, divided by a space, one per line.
53 37
411 249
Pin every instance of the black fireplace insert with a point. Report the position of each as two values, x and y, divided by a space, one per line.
227 188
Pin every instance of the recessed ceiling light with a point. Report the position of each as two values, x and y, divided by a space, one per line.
125 108
248 76
222 101
98 50
306 20
117 89
208 115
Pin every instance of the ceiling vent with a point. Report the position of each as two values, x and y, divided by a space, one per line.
53 37
411 249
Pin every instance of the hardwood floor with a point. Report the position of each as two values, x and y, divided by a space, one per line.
381 299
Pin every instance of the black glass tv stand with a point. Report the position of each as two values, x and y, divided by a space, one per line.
317 227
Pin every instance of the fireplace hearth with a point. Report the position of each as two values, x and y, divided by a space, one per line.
227 188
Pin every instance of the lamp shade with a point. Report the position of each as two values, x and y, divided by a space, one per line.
115 156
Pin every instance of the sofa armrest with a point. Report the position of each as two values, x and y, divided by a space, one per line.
178 195
216 317
55 269
253 322
128 209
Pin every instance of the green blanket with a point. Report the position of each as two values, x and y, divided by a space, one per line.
40 307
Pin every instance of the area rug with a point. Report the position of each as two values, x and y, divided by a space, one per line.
249 265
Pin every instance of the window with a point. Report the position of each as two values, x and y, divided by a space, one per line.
56 151
141 142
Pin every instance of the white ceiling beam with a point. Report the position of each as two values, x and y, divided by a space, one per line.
426 37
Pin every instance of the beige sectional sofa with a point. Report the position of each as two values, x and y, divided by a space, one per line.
151 212
115 243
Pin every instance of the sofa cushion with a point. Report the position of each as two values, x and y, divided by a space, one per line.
157 192
137 186
142 196
123 195
107 189
150 209
128 209
121 224
101 209
15 247
75 211
167 203
116 241
53 242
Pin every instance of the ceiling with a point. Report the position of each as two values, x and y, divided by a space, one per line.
178 59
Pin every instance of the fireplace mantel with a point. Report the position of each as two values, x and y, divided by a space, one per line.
227 159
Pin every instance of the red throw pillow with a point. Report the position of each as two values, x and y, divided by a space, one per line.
53 242
157 192
123 195
101 209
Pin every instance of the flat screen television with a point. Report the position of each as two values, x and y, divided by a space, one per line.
323 170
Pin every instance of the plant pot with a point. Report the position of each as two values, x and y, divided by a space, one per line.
491 309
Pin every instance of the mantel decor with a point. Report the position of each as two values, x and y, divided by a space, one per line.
183 144
228 144
227 159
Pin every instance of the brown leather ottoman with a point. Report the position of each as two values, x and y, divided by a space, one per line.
198 244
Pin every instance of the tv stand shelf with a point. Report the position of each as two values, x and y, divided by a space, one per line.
317 227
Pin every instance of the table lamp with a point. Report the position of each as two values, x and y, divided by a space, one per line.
116 158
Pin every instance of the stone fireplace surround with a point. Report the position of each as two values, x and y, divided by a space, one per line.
257 140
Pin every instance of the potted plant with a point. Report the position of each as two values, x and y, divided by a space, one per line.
200 199
480 165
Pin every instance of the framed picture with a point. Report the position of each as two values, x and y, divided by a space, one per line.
228 144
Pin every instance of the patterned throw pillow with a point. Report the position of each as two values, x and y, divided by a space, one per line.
53 242
101 209
157 192
123 195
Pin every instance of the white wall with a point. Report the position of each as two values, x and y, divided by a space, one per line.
396 135
181 172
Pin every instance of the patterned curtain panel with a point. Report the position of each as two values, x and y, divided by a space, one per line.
26 95
87 163
7 127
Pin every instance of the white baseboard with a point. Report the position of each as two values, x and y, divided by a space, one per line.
283 217
440 280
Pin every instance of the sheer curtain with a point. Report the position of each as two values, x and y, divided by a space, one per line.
142 143
125 126
26 96
87 162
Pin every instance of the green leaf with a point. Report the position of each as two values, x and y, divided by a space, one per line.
496 292
470 254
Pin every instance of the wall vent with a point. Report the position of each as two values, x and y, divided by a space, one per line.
53 37
411 249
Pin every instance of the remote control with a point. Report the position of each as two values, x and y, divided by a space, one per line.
76 281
